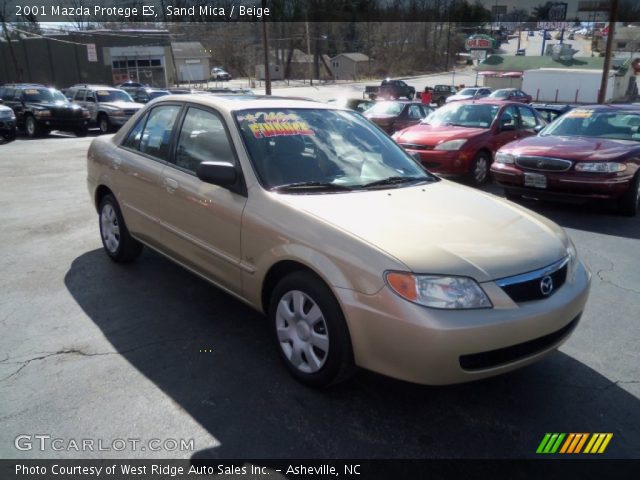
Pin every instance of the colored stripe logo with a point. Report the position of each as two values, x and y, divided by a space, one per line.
593 443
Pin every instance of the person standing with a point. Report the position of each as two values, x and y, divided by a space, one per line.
427 96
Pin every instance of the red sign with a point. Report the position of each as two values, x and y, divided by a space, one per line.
480 43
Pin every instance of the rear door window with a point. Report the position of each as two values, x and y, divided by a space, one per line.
157 133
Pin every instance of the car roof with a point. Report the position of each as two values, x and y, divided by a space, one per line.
241 102
610 107
490 101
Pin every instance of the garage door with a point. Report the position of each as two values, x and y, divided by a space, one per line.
191 73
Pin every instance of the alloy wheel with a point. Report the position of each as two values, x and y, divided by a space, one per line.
302 331
109 228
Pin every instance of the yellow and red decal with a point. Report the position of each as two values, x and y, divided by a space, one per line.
274 124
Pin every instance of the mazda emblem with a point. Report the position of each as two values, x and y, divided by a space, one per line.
546 285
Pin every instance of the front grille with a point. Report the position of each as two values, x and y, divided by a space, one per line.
528 286
415 146
545 164
502 356
66 113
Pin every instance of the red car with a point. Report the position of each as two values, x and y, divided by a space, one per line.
589 153
512 95
395 115
462 137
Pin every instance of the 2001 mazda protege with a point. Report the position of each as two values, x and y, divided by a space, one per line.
358 255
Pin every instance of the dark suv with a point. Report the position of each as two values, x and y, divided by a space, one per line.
39 109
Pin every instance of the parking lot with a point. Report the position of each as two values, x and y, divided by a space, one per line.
95 350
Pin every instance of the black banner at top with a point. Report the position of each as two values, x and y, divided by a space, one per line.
164 11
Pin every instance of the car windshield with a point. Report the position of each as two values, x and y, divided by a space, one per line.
48 95
583 122
113 96
472 115
386 108
468 91
320 151
500 94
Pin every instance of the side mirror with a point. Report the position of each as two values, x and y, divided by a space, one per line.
217 173
538 128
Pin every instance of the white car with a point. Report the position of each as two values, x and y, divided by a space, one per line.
469 94
218 73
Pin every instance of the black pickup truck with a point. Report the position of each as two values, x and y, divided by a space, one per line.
390 89
441 93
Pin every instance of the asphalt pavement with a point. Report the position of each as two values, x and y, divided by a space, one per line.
93 350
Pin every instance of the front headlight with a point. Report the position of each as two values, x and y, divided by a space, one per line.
573 256
117 113
438 292
43 113
601 167
450 145
503 157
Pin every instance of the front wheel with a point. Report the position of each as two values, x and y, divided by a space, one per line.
629 203
410 96
479 172
104 124
31 127
440 102
310 330
116 240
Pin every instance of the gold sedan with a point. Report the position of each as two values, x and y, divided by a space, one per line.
356 254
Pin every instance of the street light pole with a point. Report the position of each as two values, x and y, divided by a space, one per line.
613 16
265 46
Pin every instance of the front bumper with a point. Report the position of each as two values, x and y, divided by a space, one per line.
443 161
63 123
120 120
563 186
403 340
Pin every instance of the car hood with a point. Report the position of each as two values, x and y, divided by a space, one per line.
56 105
123 105
434 134
442 228
572 148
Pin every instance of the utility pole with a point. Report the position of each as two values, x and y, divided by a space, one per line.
306 26
265 46
613 16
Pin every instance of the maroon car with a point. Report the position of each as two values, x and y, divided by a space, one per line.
511 95
395 115
589 153
461 137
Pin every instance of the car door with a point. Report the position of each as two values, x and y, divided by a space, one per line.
138 167
91 104
412 115
204 220
507 127
529 121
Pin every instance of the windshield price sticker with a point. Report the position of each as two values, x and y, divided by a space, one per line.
103 93
32 92
580 113
274 124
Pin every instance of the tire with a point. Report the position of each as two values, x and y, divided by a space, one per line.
9 135
410 96
479 171
31 127
81 132
509 195
315 348
629 203
104 124
116 240
440 102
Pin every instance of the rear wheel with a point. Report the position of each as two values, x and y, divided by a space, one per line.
440 102
116 240
479 172
410 96
310 330
629 203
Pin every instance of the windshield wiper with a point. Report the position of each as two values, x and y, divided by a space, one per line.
310 186
395 181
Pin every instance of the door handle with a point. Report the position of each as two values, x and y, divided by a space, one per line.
170 184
